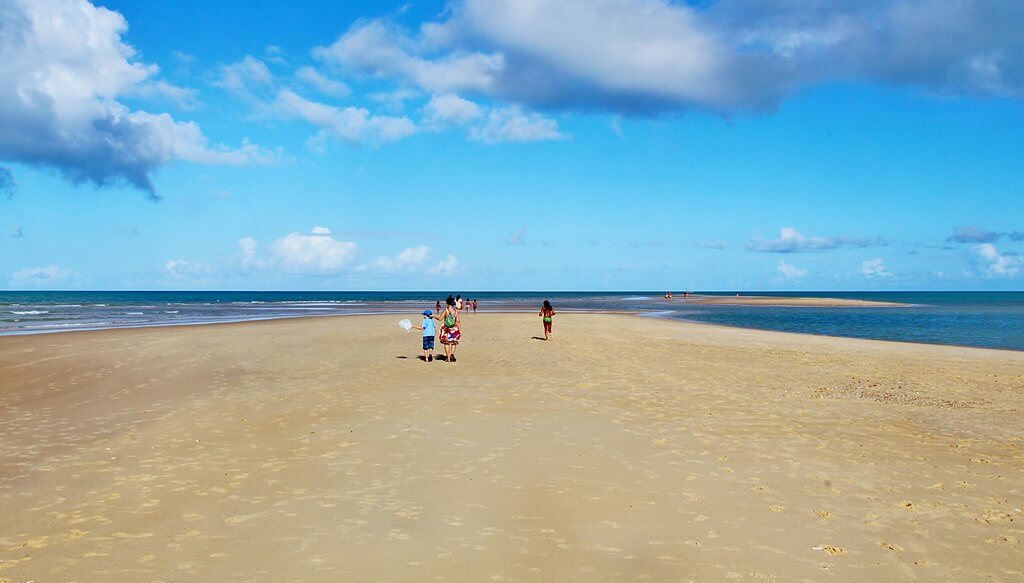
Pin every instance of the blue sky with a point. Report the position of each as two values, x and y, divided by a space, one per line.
498 144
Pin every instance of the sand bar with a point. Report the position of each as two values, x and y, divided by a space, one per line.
322 450
789 301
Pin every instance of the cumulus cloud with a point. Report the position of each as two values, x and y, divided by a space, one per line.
349 124
790 271
791 241
991 263
512 124
444 110
315 253
330 87
447 266
245 77
41 276
872 268
641 56
179 268
384 50
64 66
972 235
409 259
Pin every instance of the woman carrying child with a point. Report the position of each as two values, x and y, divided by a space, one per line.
450 333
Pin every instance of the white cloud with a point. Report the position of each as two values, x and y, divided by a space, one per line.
637 56
245 77
41 276
443 110
410 259
315 80
319 253
790 271
350 124
178 268
383 50
991 263
511 124
447 266
64 66
315 253
871 268
791 241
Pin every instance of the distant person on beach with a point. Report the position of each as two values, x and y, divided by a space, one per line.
428 335
475 304
668 295
450 332
437 306
458 303
547 313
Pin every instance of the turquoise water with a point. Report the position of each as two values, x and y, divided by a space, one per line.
986 319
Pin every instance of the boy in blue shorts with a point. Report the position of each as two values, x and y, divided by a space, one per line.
428 335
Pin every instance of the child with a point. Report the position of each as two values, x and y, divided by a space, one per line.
547 313
428 336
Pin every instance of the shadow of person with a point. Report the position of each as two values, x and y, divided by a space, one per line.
539 338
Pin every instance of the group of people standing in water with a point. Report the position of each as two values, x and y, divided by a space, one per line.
450 317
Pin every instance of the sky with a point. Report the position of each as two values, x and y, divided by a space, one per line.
512 145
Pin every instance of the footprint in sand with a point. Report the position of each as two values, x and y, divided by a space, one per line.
830 550
891 547
776 508
823 514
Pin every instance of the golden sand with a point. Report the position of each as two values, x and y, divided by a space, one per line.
627 448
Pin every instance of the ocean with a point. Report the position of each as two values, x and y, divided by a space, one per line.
984 319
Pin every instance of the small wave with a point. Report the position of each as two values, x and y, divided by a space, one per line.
29 312
133 313
171 311
636 298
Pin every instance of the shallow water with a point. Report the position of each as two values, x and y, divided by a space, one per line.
986 319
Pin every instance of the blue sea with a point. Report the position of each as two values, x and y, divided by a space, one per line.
986 319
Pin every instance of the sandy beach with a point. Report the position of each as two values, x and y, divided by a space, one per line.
627 448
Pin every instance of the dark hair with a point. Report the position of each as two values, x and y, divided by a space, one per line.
459 296
450 301
547 304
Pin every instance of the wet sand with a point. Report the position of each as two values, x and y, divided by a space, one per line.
627 448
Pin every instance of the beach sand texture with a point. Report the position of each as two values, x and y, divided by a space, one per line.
627 448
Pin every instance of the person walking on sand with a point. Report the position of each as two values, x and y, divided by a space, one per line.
547 313
428 335
475 304
458 303
437 306
450 332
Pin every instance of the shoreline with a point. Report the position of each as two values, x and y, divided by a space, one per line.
654 314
